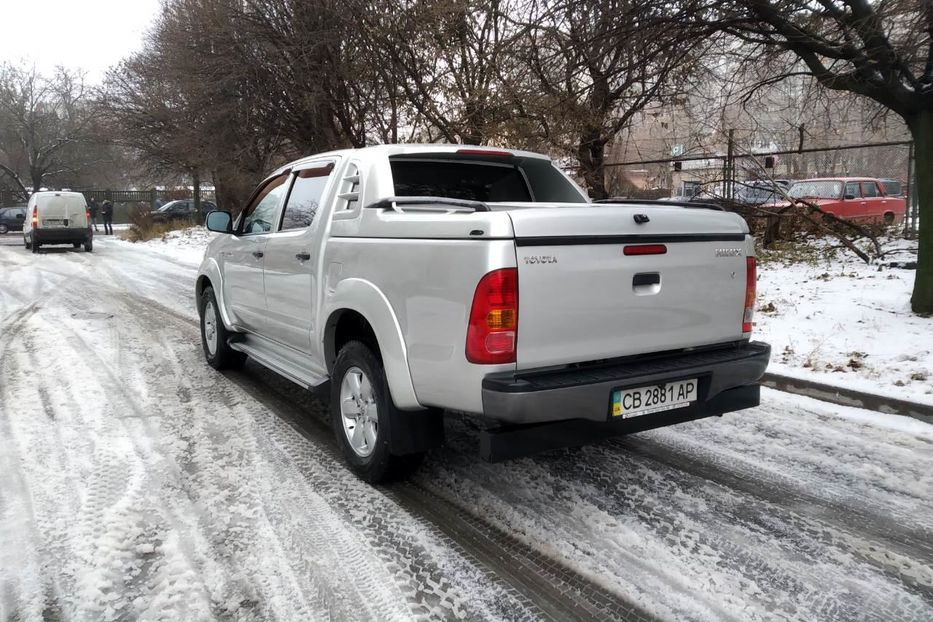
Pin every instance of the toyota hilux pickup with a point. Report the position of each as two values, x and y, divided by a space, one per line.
403 281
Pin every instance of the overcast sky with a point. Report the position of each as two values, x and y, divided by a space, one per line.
80 34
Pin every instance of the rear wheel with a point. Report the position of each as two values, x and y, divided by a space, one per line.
35 246
88 246
361 412
888 218
76 244
26 243
4 229
214 335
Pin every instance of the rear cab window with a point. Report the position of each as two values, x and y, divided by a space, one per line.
502 178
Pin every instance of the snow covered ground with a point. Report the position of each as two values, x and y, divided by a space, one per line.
185 245
831 318
137 483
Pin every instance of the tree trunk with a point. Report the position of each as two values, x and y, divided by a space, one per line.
591 154
921 130
196 183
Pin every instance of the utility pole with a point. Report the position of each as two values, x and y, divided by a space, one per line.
729 176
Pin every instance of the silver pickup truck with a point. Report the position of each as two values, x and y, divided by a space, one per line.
403 281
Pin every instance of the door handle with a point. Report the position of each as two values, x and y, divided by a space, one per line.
302 256
258 254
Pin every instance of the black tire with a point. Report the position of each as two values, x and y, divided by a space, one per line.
4 229
88 246
76 244
888 218
35 246
380 465
27 243
223 357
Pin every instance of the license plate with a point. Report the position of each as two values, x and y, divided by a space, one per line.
627 403
52 222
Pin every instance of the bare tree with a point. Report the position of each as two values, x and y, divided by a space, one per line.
592 65
43 122
446 58
190 101
880 50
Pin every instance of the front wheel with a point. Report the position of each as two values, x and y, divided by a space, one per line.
4 229
214 335
361 412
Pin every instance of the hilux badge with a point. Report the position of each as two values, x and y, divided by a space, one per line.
531 259
728 252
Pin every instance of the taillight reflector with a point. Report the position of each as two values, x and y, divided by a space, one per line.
645 249
751 279
35 216
493 328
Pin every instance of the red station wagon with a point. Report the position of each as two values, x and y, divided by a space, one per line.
852 198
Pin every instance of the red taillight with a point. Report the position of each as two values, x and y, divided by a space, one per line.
645 249
493 326
485 152
751 277
35 215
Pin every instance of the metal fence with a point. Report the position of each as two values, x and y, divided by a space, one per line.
724 173
123 200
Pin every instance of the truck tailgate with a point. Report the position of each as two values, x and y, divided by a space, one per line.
583 298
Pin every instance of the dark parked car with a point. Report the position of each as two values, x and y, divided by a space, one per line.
181 209
12 219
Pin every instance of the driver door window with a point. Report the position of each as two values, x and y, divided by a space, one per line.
260 214
852 190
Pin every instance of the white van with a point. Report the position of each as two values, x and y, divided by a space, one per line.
57 218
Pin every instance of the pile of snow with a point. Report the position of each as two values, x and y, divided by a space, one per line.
184 245
831 318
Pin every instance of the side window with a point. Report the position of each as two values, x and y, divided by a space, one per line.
305 197
870 189
259 215
852 190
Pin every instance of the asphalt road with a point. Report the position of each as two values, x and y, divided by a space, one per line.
137 483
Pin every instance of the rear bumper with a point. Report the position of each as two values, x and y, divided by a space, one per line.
61 236
537 396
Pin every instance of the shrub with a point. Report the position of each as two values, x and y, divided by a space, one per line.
143 227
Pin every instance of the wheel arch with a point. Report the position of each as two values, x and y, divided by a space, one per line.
209 275
357 310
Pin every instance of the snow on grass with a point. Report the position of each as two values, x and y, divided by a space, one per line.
183 245
831 318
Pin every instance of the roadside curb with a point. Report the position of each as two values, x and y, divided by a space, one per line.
849 397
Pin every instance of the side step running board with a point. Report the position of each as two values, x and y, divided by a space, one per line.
272 357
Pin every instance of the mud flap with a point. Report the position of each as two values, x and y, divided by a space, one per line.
415 431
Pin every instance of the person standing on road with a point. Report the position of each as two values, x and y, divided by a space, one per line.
94 209
107 212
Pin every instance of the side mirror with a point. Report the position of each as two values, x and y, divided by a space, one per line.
848 197
221 222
